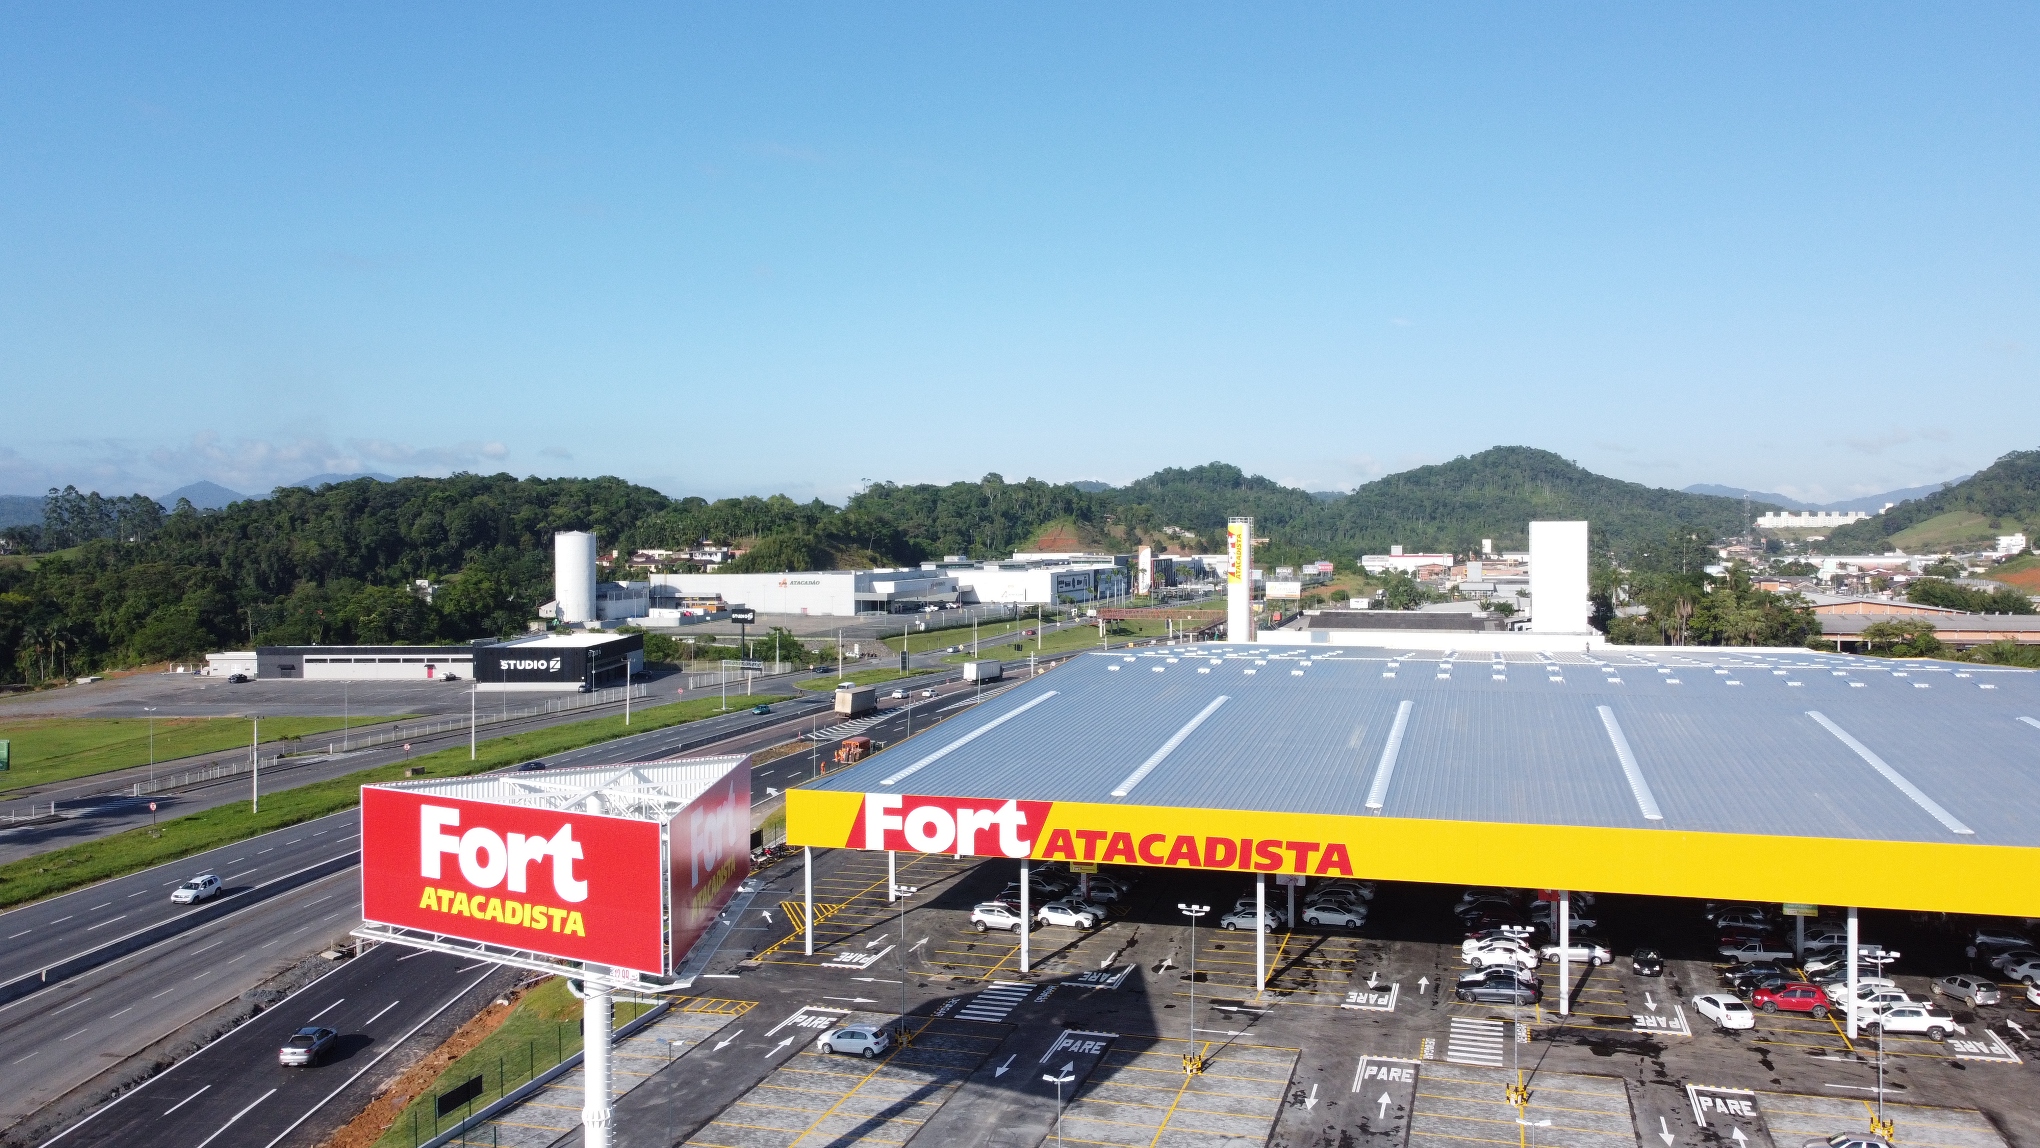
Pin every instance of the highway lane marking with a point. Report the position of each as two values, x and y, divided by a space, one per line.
203 948
203 975
96 908
62 919
22 933
108 921
379 1016
164 993
237 1116
186 1100
401 960
476 965
324 1011
237 860
129 1008
74 1034
241 874
260 852
136 893
36 1053
72 1005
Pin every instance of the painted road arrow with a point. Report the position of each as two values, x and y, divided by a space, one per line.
780 1045
1664 1130
1310 1102
1383 1114
720 1045
1423 983
1001 1070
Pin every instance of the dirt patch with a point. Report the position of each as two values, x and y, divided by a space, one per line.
369 1125
1058 536
2027 580
774 753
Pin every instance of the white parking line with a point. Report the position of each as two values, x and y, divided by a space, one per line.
237 1116
186 1100
379 1016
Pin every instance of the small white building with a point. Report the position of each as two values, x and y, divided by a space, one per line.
1810 519
1395 559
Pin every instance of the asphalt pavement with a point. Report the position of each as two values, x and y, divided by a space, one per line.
236 1093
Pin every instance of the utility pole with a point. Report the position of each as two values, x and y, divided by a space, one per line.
473 689
151 711
255 768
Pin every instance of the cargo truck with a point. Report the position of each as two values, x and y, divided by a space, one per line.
985 671
854 700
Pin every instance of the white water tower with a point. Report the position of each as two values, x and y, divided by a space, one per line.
574 575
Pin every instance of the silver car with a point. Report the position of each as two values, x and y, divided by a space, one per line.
1975 990
863 1040
306 1046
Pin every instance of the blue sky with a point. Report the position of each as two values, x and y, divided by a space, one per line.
782 248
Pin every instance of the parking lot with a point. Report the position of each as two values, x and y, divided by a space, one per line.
1357 1037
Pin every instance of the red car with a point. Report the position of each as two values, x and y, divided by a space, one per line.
1797 996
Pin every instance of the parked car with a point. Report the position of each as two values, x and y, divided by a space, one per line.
1646 963
1361 889
1545 913
1482 976
1792 996
1727 1011
1873 958
1745 977
1931 1021
1244 918
2027 970
996 915
1989 942
1494 939
306 1046
239 679
1490 892
1579 952
1344 916
201 888
1754 949
1869 1005
1075 914
2004 961
1498 955
1963 987
1500 990
1742 919
863 1040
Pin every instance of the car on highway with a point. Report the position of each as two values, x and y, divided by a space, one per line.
1245 919
761 708
865 1040
990 915
1930 1021
201 888
530 767
1500 990
306 1046
897 695
1073 914
1343 916
239 679
1727 1011
1963 987
1647 963
1792 996
1754 949
929 692
1579 952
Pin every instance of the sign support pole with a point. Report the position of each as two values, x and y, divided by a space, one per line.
808 894
255 769
1853 985
892 880
596 1016
1026 917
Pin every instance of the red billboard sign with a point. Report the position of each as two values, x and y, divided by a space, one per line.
711 856
576 886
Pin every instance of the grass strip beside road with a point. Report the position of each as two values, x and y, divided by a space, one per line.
860 677
60 870
543 1029
1063 641
58 749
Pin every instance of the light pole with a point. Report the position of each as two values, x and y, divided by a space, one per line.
1193 1063
346 713
255 767
903 892
1066 1076
151 711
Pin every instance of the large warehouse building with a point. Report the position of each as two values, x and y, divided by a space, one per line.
845 593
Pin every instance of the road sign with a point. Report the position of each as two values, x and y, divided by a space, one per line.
1083 866
1295 879
744 617
152 807
748 664
1791 910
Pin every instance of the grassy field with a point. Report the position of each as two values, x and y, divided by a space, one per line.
57 749
1065 640
1944 532
47 874
543 1029
869 677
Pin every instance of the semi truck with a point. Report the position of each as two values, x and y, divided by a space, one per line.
985 671
852 701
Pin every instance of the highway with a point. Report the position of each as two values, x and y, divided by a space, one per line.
125 967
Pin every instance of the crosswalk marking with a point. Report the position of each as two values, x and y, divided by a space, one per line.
1475 1042
847 729
994 1003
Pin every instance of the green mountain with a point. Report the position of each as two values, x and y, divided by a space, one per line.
2003 498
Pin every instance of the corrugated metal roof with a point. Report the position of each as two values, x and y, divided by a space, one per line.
1722 741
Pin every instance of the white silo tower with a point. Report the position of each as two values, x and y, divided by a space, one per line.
574 575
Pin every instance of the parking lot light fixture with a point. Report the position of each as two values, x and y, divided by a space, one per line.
1066 1076
903 892
1192 1062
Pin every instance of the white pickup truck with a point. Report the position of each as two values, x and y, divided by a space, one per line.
1755 949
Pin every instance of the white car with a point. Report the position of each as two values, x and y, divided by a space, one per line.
1579 953
201 888
995 915
1492 942
1346 916
1508 955
2027 970
1244 918
1868 1006
1361 889
1928 1020
1480 893
863 1040
1725 1010
1066 913
1866 958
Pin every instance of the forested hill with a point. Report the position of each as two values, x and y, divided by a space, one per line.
1449 507
134 584
2004 498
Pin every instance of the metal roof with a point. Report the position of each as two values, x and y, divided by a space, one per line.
1713 740
641 790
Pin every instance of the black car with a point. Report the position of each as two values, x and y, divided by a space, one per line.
1500 974
1743 977
1504 990
531 767
239 679
1647 963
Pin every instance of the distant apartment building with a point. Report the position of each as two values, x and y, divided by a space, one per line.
1811 519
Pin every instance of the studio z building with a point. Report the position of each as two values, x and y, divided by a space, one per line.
560 662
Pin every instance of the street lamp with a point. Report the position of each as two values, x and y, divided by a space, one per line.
1193 1063
1067 1076
903 892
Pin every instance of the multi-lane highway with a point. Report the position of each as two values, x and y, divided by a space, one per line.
103 972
